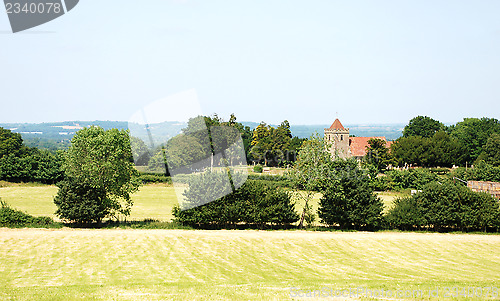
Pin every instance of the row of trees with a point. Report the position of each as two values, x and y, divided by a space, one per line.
428 142
200 139
445 205
274 146
348 200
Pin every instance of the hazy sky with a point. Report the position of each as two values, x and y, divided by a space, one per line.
370 61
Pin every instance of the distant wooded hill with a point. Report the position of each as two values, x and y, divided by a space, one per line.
47 134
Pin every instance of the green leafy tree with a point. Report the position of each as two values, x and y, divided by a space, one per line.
82 203
183 150
422 126
473 134
406 214
99 161
214 135
281 140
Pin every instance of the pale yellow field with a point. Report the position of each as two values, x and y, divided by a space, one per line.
151 201
75 264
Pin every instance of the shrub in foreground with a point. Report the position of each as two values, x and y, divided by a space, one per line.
254 203
445 206
81 203
10 217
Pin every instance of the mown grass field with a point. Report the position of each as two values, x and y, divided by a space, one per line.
113 264
236 265
153 201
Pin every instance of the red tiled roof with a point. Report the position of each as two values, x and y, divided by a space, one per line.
358 145
336 125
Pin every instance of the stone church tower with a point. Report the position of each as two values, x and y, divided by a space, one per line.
337 139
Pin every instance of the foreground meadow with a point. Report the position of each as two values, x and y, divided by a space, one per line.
236 265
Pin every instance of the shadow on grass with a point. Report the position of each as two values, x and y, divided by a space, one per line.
144 224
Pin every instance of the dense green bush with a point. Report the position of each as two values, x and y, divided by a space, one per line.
10 217
349 201
382 183
445 206
412 178
258 168
155 178
277 180
32 165
439 171
481 172
81 203
254 203
406 214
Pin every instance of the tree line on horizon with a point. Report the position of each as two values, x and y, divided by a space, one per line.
425 142
429 143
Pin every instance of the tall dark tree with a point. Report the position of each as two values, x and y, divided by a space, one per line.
409 150
350 202
439 150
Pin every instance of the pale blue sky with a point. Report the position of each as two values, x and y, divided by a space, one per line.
370 61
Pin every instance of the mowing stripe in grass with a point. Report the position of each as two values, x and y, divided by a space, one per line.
116 264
